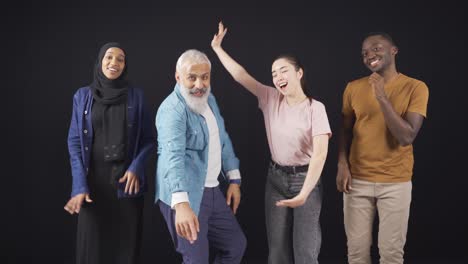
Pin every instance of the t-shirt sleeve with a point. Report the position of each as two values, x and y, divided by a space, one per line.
265 95
418 100
320 124
347 109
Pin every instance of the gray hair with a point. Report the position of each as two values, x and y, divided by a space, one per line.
191 57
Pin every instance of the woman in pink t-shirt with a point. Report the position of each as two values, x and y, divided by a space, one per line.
298 132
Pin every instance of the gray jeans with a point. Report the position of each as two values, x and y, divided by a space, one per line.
294 234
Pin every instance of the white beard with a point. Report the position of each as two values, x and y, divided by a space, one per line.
196 104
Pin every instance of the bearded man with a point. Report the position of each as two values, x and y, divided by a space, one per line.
193 150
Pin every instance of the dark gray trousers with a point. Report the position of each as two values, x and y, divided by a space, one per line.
294 234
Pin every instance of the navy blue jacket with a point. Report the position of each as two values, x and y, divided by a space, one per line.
141 138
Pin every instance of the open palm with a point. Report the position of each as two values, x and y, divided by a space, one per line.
218 37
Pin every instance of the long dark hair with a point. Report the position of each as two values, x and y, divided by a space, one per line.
297 66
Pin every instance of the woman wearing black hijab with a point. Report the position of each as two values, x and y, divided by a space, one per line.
109 139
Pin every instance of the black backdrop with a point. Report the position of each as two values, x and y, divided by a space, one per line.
51 51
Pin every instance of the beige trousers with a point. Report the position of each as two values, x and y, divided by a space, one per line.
392 201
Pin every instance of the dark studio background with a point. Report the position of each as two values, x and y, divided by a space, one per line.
51 53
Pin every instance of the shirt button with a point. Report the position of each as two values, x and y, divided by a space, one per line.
85 131
86 148
86 112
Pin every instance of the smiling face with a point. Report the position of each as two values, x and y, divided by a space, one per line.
194 82
286 78
113 63
195 78
378 53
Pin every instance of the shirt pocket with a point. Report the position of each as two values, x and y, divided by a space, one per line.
195 139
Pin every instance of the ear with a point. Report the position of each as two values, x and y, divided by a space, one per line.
394 50
300 73
177 77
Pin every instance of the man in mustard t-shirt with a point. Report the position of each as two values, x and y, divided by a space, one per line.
382 114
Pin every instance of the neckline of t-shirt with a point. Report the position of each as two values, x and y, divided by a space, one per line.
295 105
394 80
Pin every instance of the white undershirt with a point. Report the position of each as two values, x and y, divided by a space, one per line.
214 159
214 149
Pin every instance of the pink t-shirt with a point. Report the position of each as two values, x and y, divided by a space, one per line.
290 129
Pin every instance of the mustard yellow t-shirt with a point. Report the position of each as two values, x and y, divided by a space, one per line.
375 154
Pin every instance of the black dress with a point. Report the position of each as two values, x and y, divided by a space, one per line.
109 228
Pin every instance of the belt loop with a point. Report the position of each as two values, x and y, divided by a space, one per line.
294 169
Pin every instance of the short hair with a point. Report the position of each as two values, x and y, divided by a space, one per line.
191 57
382 34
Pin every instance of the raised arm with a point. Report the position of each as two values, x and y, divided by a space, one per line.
235 69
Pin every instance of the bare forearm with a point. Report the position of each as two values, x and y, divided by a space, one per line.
399 127
345 137
313 174
316 164
234 68
238 72
343 147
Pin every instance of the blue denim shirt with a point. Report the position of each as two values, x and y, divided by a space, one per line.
80 138
183 139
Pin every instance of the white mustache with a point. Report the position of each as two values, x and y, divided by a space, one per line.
196 90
